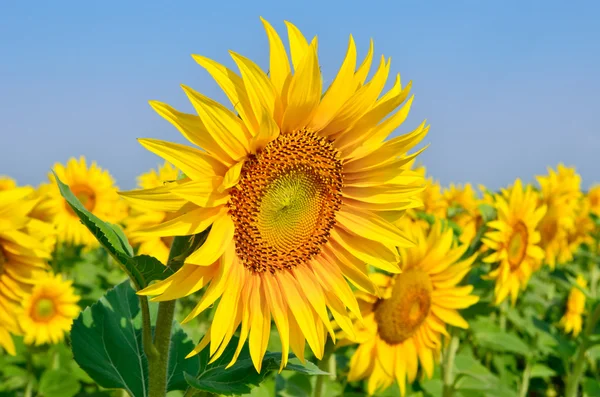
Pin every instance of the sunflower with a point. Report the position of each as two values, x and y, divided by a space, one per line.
49 311
515 241
95 189
7 183
463 204
560 192
404 326
22 259
583 227
572 321
142 218
593 196
433 201
295 186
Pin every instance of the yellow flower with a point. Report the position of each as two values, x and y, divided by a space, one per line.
22 259
433 201
405 325
49 311
7 183
560 193
468 217
571 321
593 196
295 186
583 227
95 189
515 241
142 218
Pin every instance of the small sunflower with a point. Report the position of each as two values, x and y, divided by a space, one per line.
49 311
432 197
22 259
404 326
141 218
572 320
515 241
583 227
296 185
593 196
560 193
94 187
464 202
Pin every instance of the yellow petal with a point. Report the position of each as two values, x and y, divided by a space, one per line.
269 131
260 326
232 177
370 226
363 71
372 252
204 193
298 44
279 65
156 199
192 222
280 315
219 238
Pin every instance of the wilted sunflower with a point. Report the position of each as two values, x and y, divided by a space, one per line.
22 260
295 185
464 204
515 241
560 192
94 187
49 311
572 319
141 218
405 325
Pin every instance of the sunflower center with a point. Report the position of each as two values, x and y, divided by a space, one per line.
44 309
517 245
285 202
85 195
403 313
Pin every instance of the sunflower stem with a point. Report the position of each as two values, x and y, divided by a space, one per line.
575 376
502 316
326 364
526 377
158 361
448 365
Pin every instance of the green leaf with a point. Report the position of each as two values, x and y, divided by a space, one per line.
591 387
58 383
112 238
541 371
503 342
107 342
241 377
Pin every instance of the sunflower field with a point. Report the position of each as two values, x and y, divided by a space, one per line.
297 247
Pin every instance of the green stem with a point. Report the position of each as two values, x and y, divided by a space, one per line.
526 377
326 364
575 376
502 316
448 365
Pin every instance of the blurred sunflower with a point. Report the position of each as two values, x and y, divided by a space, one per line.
49 311
94 187
7 183
404 326
583 227
560 193
593 196
463 205
515 241
295 186
433 201
572 319
141 218
22 260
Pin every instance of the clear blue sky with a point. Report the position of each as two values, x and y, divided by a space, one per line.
509 87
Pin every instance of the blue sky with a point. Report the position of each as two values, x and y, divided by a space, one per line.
509 87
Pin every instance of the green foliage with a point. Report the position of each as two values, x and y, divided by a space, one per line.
107 343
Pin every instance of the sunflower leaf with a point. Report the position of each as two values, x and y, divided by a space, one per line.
106 340
242 376
140 269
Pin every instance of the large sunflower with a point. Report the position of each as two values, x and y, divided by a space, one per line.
141 218
560 192
295 184
515 241
22 259
94 187
49 310
404 326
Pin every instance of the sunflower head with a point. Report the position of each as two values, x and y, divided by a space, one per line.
404 325
298 188
514 241
49 310
23 258
571 321
95 190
